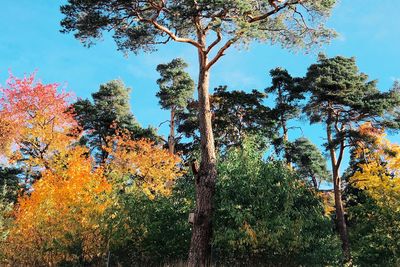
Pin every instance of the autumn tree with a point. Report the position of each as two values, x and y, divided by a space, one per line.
109 112
38 120
142 163
208 27
378 168
176 88
374 198
287 94
342 98
62 221
308 161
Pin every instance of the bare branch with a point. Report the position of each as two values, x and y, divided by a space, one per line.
221 51
163 123
219 38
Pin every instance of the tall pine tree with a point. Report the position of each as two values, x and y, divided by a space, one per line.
342 99
176 88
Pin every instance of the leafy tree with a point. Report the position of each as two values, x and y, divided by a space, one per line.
141 25
150 168
176 88
161 234
40 121
342 98
374 198
63 220
378 172
309 161
109 111
287 106
258 202
374 232
235 116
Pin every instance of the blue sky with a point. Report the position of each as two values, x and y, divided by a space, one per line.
30 40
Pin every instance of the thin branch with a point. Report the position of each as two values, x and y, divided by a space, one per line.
221 51
216 41
341 152
272 12
172 35
162 123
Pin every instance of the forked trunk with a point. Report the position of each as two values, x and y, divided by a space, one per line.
200 246
339 209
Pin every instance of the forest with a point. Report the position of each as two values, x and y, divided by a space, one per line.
230 182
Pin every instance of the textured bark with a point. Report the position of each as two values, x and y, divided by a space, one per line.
340 218
200 246
171 137
339 209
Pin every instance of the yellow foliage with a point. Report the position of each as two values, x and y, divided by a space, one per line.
379 173
151 168
329 202
66 210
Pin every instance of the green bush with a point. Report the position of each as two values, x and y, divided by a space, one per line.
374 232
267 215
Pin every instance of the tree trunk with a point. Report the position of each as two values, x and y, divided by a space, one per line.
339 209
171 137
340 219
285 142
200 246
314 181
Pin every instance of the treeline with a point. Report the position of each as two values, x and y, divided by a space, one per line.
85 184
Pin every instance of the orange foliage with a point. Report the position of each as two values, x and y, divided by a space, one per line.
152 168
66 212
36 119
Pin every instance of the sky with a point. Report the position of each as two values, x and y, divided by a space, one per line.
30 41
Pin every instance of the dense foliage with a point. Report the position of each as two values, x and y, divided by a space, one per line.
267 214
83 184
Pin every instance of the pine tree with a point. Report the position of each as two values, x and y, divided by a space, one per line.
309 161
287 106
109 111
342 99
176 88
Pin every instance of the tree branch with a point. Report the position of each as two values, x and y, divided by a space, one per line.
221 51
270 13
216 41
341 152
170 33
231 41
